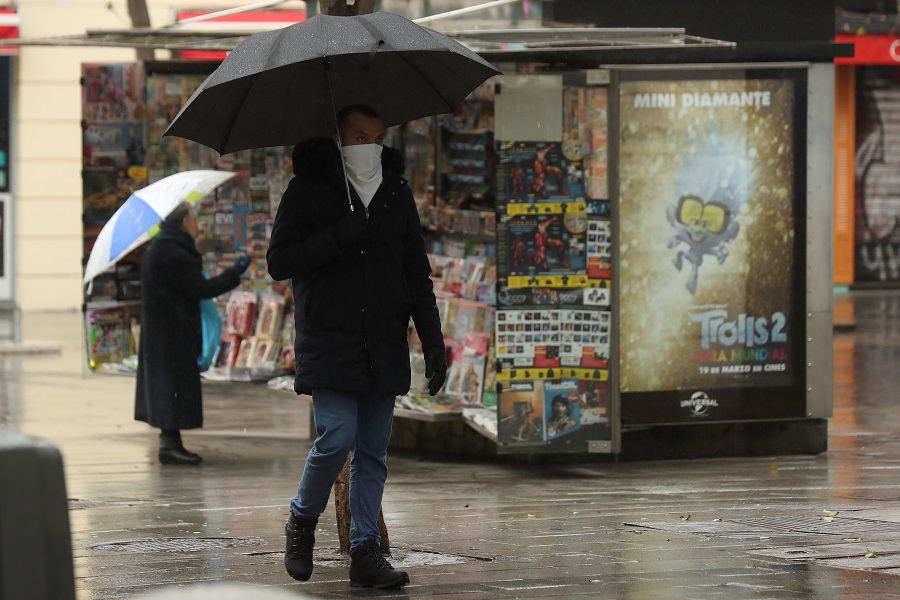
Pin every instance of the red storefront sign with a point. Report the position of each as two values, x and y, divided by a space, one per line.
252 22
9 29
876 49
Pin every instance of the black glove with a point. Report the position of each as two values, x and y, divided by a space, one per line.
435 369
240 265
351 230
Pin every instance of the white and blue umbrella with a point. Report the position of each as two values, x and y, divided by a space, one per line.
133 223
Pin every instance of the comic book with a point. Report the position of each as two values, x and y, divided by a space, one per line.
594 399
466 375
206 227
113 93
109 337
271 311
263 360
229 347
118 144
562 408
240 313
520 417
239 226
489 393
540 172
286 359
245 353
545 245
423 402
418 382
224 223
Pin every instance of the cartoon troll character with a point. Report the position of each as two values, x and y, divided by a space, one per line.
713 184
704 227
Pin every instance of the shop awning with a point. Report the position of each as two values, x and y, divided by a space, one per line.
556 41
9 29
576 46
562 42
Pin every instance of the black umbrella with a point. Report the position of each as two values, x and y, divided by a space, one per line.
280 87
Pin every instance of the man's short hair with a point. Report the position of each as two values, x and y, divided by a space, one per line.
363 109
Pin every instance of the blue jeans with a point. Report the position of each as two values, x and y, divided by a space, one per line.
347 422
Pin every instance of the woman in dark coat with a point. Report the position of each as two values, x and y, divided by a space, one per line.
168 392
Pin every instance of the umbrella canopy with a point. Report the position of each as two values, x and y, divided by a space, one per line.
280 87
131 225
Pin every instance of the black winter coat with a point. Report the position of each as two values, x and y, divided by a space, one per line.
172 284
352 306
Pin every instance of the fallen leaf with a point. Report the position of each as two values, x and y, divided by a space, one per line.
870 553
773 467
717 520
686 517
830 513
826 519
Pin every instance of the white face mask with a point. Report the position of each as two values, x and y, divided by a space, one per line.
363 163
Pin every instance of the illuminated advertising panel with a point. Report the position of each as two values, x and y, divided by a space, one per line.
711 244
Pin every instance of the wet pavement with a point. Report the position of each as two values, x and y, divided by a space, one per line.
713 528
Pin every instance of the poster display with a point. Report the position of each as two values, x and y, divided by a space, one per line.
711 230
554 269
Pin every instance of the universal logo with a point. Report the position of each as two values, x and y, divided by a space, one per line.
699 404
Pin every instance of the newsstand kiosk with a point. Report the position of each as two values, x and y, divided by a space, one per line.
663 256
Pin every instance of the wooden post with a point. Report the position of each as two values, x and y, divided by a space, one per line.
346 8
140 18
342 512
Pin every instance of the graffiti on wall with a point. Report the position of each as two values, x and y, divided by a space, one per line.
877 185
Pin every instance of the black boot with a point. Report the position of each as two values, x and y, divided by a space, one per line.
298 551
369 568
172 452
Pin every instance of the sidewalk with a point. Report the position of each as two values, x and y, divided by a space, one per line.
718 528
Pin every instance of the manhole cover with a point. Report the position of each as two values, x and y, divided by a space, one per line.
177 544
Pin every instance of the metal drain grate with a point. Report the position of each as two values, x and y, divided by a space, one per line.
839 526
177 544
791 526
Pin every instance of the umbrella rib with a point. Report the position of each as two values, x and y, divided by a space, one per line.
376 35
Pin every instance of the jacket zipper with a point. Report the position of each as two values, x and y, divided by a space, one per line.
365 336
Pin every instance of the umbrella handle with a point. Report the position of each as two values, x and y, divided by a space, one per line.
338 131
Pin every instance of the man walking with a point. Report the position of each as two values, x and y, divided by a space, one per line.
358 276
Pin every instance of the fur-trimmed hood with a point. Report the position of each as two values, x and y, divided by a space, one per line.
317 157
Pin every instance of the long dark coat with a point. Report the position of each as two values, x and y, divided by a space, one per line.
352 306
168 392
